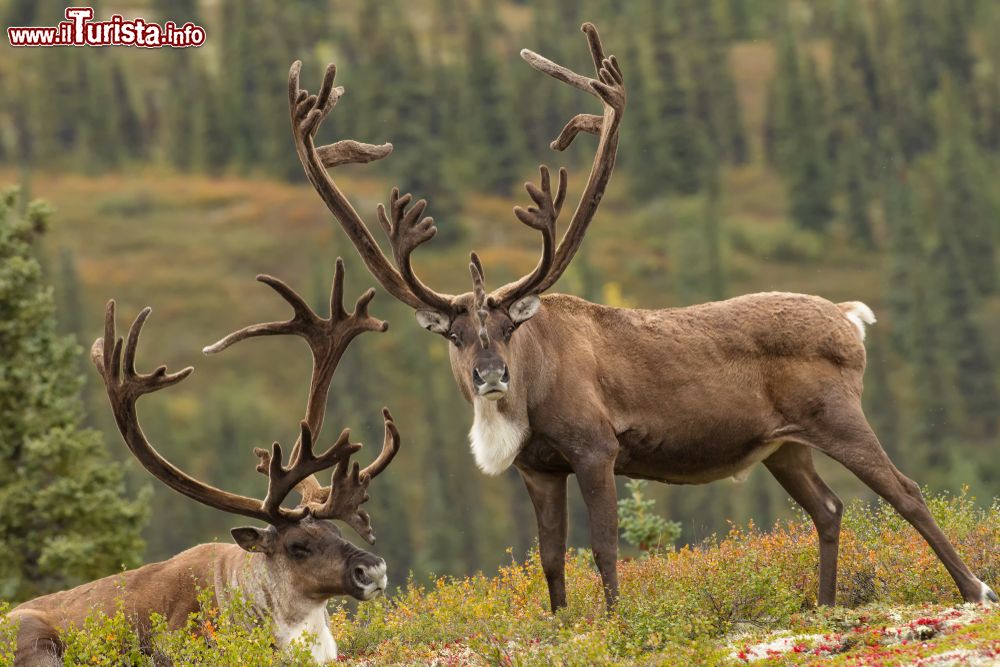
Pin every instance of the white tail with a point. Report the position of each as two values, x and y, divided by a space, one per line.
859 314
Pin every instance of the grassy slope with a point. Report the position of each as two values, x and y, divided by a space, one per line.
749 597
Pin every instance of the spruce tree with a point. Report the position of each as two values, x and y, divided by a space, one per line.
854 131
800 135
715 101
63 514
673 162
914 312
491 143
961 205
966 207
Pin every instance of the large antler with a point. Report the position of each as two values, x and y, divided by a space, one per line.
609 87
124 386
409 231
327 338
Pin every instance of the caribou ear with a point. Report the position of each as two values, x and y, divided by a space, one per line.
434 321
254 540
525 308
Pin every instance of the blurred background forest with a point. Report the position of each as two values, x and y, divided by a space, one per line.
846 148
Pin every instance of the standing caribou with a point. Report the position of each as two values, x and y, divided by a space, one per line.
679 395
295 564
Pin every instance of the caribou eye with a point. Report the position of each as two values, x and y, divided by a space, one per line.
453 337
508 332
299 550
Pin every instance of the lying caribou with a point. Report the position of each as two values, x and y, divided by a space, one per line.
680 395
286 571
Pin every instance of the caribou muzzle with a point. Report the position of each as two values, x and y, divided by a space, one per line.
491 379
367 574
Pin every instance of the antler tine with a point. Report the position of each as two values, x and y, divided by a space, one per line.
390 447
327 338
106 353
479 298
609 87
307 112
303 464
302 322
406 231
348 488
542 217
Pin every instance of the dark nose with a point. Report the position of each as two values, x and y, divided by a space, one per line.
493 374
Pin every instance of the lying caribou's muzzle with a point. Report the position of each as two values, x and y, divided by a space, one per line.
491 381
368 577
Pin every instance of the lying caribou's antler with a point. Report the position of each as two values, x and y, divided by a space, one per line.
327 338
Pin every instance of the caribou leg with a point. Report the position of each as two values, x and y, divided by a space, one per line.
792 466
849 440
548 495
597 483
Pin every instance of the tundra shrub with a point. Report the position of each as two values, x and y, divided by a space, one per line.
227 635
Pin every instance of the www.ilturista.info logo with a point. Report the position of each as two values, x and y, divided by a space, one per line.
80 30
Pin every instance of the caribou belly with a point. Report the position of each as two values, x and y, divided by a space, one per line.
691 462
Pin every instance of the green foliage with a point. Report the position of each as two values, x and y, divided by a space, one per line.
695 605
63 517
673 137
799 128
8 636
638 523
104 640
228 635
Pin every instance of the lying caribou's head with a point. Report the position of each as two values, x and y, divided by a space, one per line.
301 551
479 326
312 558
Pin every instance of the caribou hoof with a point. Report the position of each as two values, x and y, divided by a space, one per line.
988 595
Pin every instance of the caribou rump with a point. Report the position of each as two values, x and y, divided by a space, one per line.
286 571
684 395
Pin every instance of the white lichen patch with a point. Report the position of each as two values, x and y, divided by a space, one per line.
918 629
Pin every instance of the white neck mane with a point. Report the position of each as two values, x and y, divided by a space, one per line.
496 438
292 618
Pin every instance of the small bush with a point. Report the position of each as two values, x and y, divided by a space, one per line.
228 635
640 526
